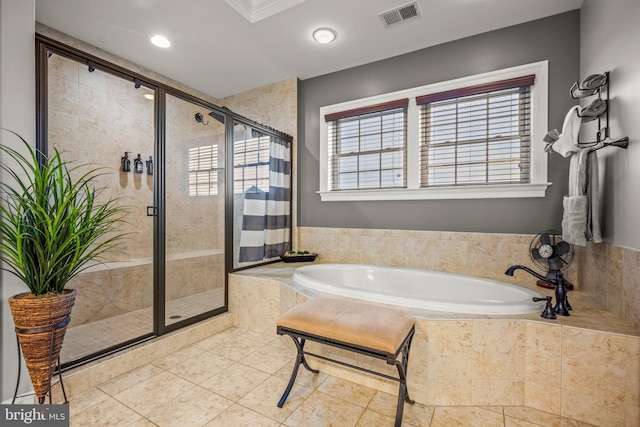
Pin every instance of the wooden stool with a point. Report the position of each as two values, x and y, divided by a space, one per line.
380 332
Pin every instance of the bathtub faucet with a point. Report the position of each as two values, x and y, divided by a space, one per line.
562 303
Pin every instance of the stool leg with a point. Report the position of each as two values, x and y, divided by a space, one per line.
300 360
405 366
403 392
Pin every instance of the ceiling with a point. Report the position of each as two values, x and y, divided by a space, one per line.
218 51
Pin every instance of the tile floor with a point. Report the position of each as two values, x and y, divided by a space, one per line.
235 378
92 337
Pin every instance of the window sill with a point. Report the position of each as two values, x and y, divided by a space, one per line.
507 191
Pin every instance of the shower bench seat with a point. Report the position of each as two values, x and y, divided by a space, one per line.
380 332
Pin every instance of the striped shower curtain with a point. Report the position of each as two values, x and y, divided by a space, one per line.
267 215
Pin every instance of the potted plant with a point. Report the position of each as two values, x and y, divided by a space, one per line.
52 226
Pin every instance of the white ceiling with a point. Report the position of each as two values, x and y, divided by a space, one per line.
217 51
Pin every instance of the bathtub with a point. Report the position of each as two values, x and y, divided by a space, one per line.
419 289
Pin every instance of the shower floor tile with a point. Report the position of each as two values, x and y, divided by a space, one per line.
83 340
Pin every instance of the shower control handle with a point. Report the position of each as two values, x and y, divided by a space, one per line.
152 211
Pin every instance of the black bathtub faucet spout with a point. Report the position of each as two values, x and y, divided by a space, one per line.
562 304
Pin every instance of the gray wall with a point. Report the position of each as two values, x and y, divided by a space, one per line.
556 39
17 112
610 35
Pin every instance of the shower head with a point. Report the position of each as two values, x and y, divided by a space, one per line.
200 119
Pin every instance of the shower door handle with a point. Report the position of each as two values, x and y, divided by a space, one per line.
152 211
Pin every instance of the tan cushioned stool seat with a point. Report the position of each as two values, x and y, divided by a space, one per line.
361 324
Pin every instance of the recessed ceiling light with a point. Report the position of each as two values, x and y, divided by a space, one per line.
324 35
148 96
160 41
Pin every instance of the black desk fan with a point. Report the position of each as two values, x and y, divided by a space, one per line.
551 254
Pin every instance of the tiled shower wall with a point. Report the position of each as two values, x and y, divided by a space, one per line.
93 119
610 273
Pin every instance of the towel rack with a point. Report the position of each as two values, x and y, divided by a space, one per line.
596 84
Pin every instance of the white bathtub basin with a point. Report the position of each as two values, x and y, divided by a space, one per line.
420 289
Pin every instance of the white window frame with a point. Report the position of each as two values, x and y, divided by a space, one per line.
536 187
261 168
213 171
357 119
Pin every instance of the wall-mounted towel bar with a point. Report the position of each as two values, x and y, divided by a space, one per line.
606 142
598 109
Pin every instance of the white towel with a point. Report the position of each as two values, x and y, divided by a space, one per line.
574 219
567 142
581 217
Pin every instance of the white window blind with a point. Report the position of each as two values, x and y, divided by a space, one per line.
477 135
473 137
367 147
203 171
251 163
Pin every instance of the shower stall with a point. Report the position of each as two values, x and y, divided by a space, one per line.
200 183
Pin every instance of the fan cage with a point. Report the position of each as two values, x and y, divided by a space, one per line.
554 238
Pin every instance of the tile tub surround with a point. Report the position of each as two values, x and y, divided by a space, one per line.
584 367
610 274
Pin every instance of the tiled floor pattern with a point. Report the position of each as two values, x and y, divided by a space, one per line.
235 378
89 338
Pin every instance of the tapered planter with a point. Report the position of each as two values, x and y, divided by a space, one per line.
41 323
54 223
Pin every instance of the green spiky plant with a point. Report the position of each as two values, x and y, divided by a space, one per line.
51 225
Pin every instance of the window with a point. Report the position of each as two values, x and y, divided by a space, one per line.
368 147
251 162
474 137
482 138
203 171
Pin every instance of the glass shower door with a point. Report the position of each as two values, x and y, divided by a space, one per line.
195 207
105 121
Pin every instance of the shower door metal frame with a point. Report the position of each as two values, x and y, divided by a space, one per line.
161 154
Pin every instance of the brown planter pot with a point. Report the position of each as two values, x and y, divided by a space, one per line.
41 324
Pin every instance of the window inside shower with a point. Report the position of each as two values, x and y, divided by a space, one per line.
250 161
203 170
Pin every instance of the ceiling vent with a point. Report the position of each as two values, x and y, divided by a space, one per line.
400 14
